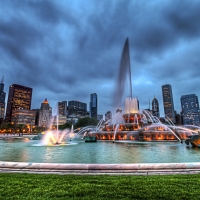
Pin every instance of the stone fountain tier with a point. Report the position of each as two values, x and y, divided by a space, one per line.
150 168
142 132
133 118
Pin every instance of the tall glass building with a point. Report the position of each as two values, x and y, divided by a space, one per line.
2 100
168 102
19 97
190 109
93 105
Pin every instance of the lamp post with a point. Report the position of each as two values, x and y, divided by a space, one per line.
33 129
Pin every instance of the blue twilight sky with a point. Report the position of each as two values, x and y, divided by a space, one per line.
68 49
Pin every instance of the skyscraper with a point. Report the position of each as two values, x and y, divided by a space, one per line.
2 100
45 114
168 102
93 105
155 107
62 108
190 109
19 97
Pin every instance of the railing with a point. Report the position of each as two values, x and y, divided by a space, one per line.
16 134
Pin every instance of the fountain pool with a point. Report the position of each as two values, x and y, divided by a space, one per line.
101 152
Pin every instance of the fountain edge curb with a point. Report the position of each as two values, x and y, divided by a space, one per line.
140 168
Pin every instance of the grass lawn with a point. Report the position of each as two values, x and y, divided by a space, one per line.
48 186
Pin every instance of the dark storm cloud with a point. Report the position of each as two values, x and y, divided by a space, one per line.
171 23
16 37
68 49
52 12
186 21
46 10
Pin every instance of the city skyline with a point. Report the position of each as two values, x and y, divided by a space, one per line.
154 106
69 50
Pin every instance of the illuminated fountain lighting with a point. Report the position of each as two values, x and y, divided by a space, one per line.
131 105
58 137
55 137
143 124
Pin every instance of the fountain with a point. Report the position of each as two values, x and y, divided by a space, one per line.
133 124
54 137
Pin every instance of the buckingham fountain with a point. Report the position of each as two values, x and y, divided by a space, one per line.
131 123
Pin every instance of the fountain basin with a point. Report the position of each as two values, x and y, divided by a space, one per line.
90 138
133 157
100 152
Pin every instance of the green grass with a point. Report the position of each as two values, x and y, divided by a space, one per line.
48 186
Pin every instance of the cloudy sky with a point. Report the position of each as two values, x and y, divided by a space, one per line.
68 49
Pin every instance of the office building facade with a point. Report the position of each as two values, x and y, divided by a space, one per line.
190 109
60 120
22 116
77 108
19 97
168 102
2 100
62 108
93 105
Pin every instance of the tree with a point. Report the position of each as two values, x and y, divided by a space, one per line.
64 126
21 127
7 127
86 122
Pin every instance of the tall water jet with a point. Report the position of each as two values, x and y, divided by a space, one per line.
72 129
124 77
57 136
57 115
116 129
131 105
